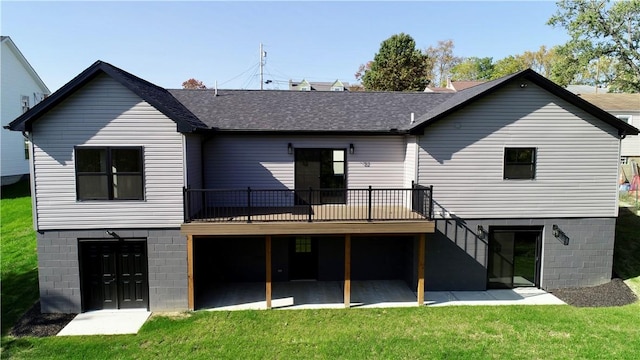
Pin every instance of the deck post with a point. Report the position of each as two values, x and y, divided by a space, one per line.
369 204
431 202
310 202
268 262
248 204
421 250
347 271
190 289
187 205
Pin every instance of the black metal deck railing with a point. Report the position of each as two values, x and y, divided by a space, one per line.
269 205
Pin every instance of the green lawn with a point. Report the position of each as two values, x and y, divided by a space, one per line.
19 264
520 332
626 254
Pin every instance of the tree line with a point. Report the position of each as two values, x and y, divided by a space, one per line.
602 51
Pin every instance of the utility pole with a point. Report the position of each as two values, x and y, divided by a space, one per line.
262 56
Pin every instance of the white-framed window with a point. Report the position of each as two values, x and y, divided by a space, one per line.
305 88
625 118
337 88
24 102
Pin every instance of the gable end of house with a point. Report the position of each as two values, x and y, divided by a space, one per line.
158 97
468 96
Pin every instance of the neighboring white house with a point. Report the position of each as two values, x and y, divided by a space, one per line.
21 89
625 107
305 85
152 198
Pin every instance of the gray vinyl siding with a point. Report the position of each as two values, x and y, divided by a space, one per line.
193 151
462 157
262 162
410 157
104 113
193 148
630 146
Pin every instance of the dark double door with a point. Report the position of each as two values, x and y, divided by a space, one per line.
514 257
114 275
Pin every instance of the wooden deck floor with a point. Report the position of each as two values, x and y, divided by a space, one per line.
326 219
327 212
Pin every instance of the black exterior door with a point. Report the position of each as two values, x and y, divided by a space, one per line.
514 257
307 175
132 275
303 263
320 169
113 275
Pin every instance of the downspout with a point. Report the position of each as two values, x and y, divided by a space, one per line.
185 174
617 189
416 161
32 180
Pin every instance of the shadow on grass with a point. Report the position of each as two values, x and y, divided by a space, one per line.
626 252
19 293
12 346
20 189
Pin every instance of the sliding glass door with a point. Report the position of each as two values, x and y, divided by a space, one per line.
514 257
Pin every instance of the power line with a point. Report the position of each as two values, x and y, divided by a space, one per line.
272 80
252 67
250 78
313 78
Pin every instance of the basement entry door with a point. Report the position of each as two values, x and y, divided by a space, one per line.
514 257
113 274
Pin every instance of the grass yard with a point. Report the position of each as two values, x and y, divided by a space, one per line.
626 254
18 264
534 332
514 332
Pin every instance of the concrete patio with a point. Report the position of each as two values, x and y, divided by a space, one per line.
364 294
307 295
106 322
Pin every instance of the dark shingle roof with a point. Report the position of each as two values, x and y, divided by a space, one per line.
158 97
303 111
278 111
465 97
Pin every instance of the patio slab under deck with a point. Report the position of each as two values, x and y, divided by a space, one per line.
381 294
364 294
285 295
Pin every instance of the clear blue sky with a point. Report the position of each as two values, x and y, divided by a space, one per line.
169 42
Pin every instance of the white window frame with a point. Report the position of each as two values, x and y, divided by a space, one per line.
24 102
625 118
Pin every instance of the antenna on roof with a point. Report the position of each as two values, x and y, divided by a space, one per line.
263 54
215 89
